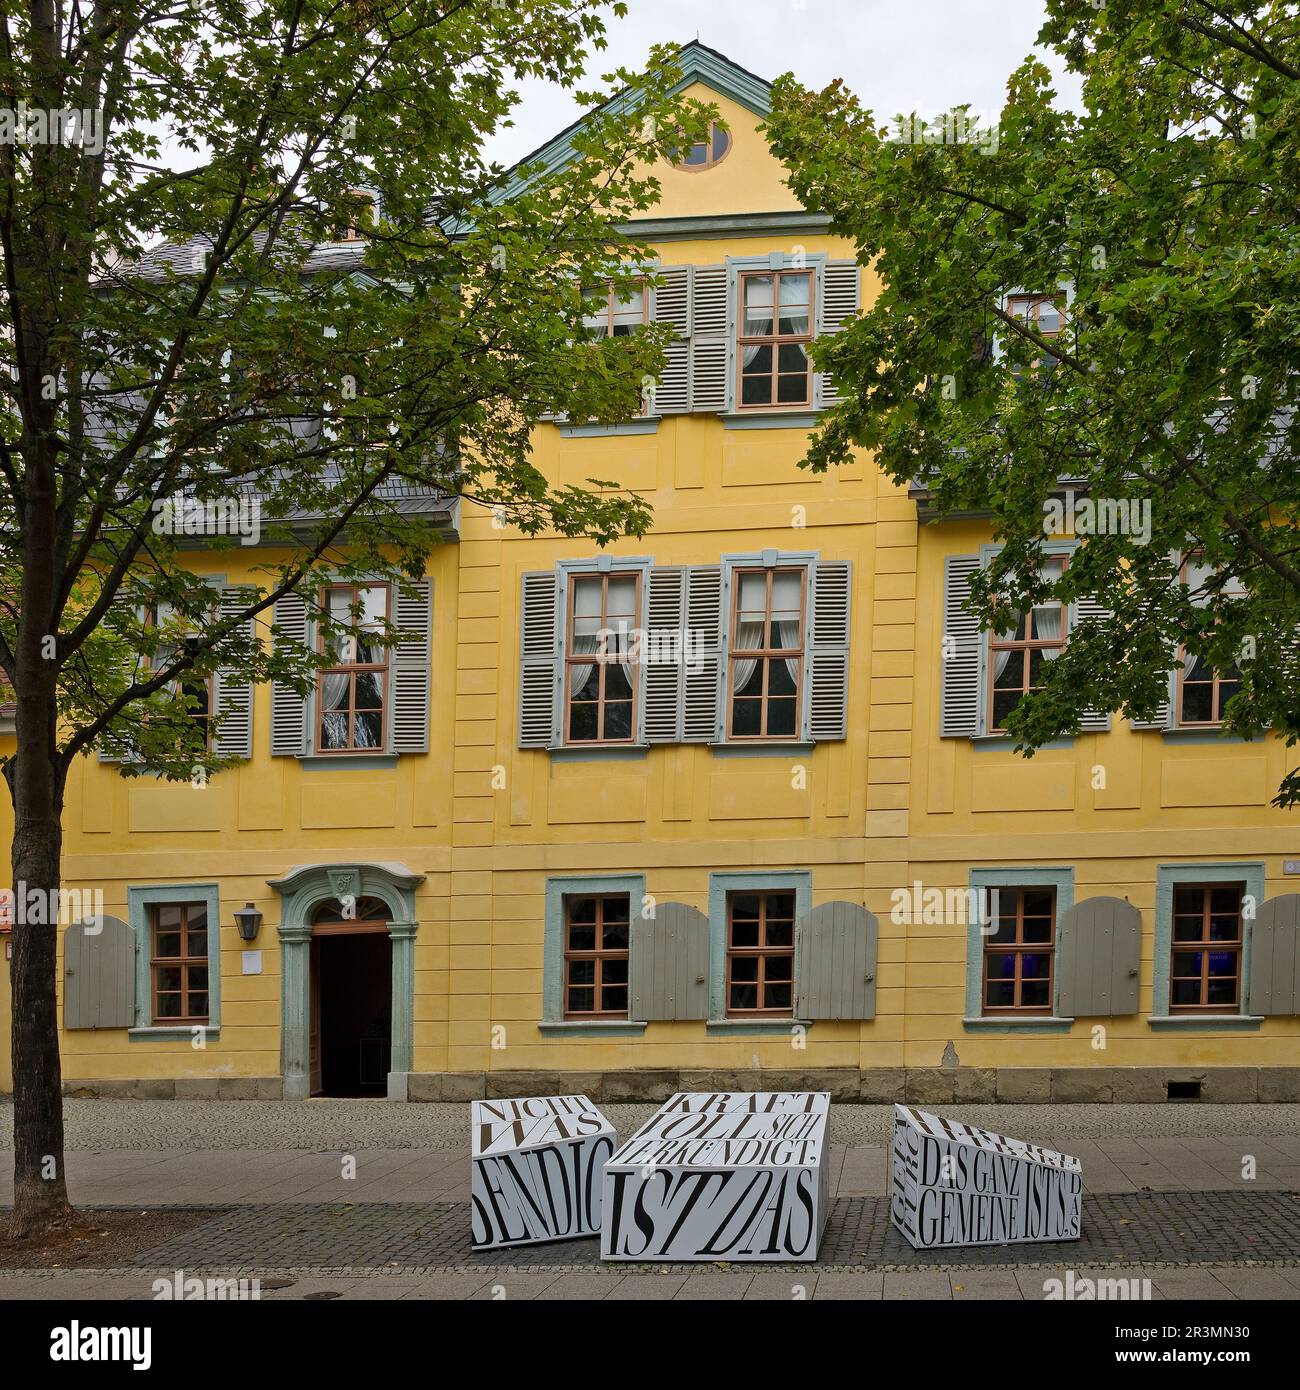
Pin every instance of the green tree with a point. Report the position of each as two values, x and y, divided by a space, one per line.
246 361
1163 220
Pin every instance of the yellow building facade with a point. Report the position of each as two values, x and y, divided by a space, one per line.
770 838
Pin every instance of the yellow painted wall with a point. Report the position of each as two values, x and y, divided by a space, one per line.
890 804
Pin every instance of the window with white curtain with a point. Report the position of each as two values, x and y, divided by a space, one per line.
351 694
765 657
1020 650
600 686
775 330
1203 692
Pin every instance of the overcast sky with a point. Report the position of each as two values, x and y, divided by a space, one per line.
897 55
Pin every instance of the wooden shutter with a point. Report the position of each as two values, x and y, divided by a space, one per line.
232 691
835 962
670 964
959 700
1087 607
413 613
703 676
99 974
840 301
110 749
1275 959
828 655
1164 715
288 708
538 658
1098 946
673 307
710 339
663 686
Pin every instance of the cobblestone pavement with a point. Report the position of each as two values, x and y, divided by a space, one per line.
412 1238
362 1124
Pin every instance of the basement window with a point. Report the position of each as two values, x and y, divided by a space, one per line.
1182 1090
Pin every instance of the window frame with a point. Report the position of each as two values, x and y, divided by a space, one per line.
1019 947
813 272
352 670
184 962
762 952
140 898
1036 299
611 300
1204 945
1233 587
711 162
598 658
598 955
1026 645
766 655
179 683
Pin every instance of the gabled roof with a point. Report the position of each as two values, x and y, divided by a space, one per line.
697 63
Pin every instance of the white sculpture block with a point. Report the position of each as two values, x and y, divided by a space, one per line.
729 1176
954 1184
536 1168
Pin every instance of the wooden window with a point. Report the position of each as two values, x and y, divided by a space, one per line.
704 154
1203 692
596 945
352 688
760 954
775 330
179 962
1018 655
598 673
1018 951
1041 314
1205 965
621 314
198 688
765 660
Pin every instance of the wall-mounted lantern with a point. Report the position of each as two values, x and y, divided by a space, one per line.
249 920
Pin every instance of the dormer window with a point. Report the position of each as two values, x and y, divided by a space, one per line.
1041 315
704 154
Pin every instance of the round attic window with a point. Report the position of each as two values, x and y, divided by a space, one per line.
704 154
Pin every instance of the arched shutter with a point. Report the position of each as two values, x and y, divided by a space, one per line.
835 962
1275 959
98 974
1098 947
670 964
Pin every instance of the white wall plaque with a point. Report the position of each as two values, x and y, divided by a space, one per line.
251 962
954 1184
535 1169
723 1176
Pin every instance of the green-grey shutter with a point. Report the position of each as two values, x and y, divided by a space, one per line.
1098 946
959 699
669 969
99 974
710 339
828 652
835 962
288 708
413 613
1087 607
661 664
703 658
1163 718
673 306
538 658
232 691
111 749
1275 959
840 301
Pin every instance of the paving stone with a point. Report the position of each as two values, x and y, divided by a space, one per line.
980 1284
648 1287
715 1285
930 1284
862 1284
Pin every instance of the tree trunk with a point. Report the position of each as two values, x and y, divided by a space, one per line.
40 1188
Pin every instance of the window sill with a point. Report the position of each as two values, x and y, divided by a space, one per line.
1035 1023
211 1033
798 418
601 753
760 750
314 762
597 1028
650 425
1006 741
759 1028
1205 1023
1205 735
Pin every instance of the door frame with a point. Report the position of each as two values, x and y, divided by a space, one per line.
301 891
